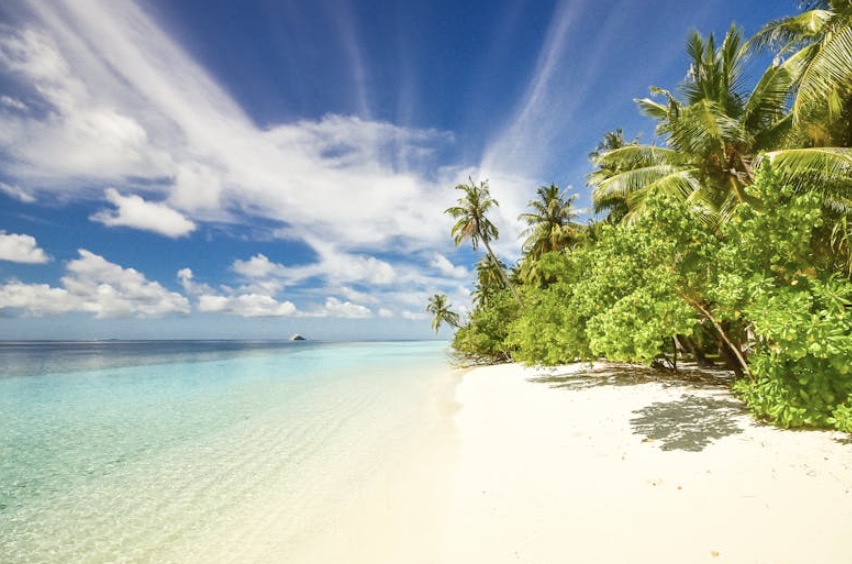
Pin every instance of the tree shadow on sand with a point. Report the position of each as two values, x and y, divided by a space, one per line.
630 375
689 423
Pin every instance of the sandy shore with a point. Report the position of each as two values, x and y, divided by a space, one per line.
570 471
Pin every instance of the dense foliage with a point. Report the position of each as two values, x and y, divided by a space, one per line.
730 244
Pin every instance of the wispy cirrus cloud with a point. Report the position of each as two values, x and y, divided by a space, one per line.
143 110
17 193
547 137
145 128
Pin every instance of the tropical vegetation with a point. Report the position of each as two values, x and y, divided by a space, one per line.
726 241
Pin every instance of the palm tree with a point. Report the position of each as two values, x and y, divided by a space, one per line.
615 206
440 308
472 223
817 48
489 280
817 45
712 137
550 229
551 225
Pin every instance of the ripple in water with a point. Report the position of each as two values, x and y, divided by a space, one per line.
197 453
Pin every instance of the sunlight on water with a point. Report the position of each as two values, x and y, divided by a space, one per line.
149 452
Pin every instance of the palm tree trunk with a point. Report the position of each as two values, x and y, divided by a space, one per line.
505 278
724 337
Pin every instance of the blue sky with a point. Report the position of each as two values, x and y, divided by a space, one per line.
220 169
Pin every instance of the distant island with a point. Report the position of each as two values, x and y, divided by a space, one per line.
297 337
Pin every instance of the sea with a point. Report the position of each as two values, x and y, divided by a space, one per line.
178 451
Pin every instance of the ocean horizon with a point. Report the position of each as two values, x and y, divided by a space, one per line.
183 450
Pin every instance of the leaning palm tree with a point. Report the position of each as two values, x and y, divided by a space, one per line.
439 306
489 281
712 135
473 224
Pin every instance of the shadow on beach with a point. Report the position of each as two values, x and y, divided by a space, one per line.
689 423
631 375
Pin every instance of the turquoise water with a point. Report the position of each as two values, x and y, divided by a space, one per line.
157 451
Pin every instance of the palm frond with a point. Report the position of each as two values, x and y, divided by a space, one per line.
704 127
791 32
827 170
829 72
672 179
775 136
631 156
767 103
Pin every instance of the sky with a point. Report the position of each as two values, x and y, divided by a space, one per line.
250 170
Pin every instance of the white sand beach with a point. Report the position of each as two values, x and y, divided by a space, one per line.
570 471
589 468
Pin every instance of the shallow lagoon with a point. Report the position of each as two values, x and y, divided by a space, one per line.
152 451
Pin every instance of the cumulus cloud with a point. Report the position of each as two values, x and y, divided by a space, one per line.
246 305
443 265
258 266
37 299
189 285
333 266
21 248
94 285
413 315
336 308
133 211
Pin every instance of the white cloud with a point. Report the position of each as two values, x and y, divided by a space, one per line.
144 109
37 299
333 266
246 305
133 211
359 192
85 135
13 103
358 297
17 193
262 305
94 285
386 313
413 315
189 285
21 248
445 267
258 266
335 308
197 187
